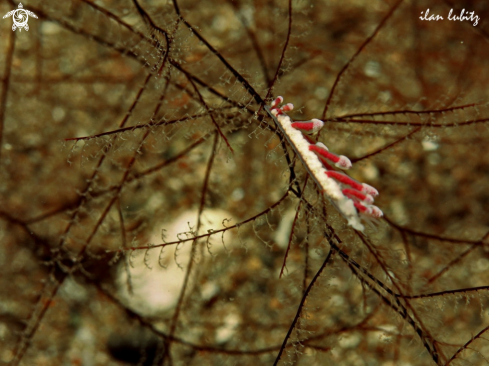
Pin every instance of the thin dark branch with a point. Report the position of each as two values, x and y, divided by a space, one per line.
466 345
447 292
205 188
413 123
210 113
236 74
291 235
453 262
431 236
44 303
392 302
301 305
404 112
350 61
214 232
417 324
382 149
254 41
282 56
137 127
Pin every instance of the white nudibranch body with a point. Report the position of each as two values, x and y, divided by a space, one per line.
351 198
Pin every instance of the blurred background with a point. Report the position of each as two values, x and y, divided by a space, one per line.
148 204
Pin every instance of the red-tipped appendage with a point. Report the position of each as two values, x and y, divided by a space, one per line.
369 210
341 161
312 126
352 193
362 187
303 126
370 190
276 110
322 146
362 208
376 212
345 179
277 101
325 163
287 108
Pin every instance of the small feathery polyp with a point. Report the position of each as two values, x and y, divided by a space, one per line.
353 202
